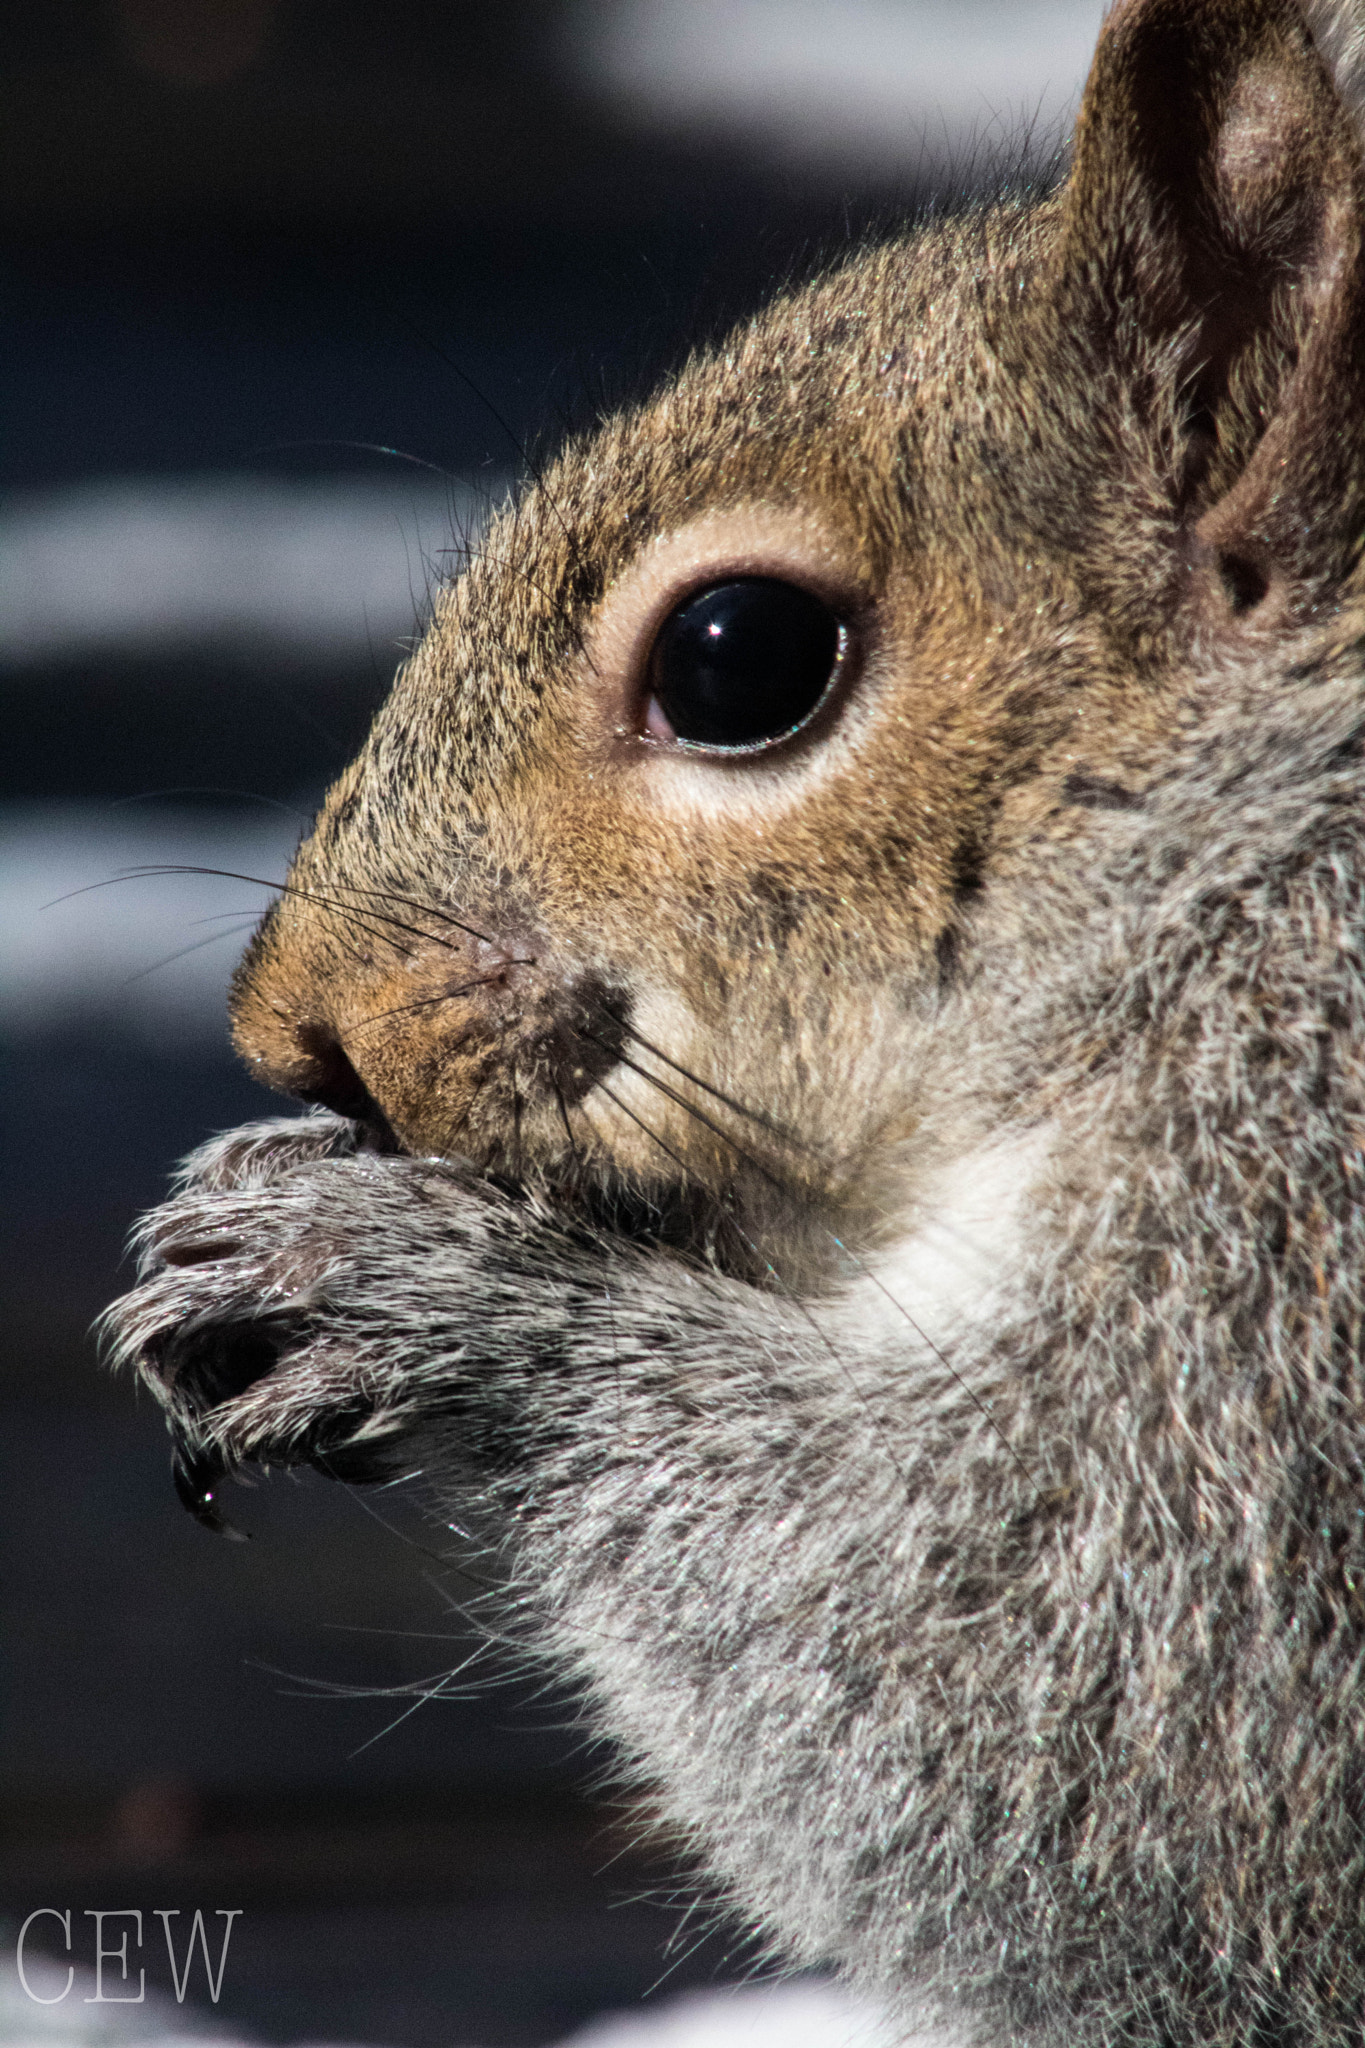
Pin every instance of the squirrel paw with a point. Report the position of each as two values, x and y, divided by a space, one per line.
245 1323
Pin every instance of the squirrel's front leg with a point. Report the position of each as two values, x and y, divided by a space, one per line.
728 1504
302 1300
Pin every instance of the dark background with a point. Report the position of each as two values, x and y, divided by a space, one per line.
239 239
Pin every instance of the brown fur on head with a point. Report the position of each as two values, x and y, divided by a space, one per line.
1045 463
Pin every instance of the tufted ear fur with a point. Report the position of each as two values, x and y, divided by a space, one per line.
1213 221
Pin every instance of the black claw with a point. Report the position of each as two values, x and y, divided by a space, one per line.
197 1475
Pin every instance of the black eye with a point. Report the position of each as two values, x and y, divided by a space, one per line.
744 662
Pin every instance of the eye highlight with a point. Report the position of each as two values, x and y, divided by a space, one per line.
743 663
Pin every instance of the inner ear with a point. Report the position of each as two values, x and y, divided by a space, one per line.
1212 226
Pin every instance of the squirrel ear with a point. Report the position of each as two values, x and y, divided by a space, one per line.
1213 219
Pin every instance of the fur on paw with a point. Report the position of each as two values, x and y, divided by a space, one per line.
242 1324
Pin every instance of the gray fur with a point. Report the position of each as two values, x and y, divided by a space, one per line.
1024 1680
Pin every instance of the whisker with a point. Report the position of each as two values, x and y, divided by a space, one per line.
607 1295
537 475
509 562
692 1110
517 1153
753 1116
463 1118
448 995
802 1308
365 448
775 1180
407 1635
197 946
639 1121
371 921
431 910
218 917
137 874
248 796
982 1407
564 1119
423 1699
533 468
446 1563
143 872
678 1961
287 888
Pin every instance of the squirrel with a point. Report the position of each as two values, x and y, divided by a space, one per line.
832 1014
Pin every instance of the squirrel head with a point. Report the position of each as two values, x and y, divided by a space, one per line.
769 697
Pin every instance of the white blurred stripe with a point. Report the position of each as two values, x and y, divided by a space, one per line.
801 2015
888 86
81 939
143 566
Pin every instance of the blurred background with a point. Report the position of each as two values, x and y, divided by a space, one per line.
289 289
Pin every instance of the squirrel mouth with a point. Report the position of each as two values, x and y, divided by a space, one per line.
338 1087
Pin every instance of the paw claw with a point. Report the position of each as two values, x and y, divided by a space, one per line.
197 1476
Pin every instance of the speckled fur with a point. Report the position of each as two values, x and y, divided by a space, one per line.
1015 1667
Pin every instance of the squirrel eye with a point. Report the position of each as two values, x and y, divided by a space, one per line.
744 663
